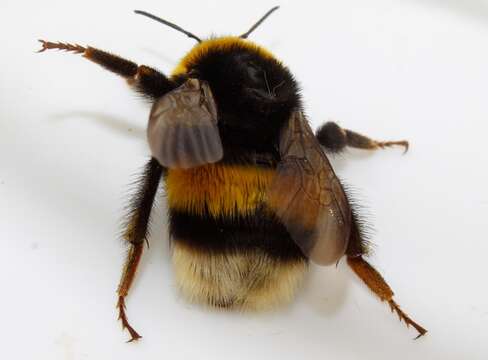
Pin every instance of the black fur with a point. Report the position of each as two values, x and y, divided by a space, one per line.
140 206
111 62
234 235
254 97
358 240
152 84
148 82
332 137
361 230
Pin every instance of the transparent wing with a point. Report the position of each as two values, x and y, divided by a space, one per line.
182 130
307 196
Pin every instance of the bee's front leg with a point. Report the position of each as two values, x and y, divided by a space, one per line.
144 79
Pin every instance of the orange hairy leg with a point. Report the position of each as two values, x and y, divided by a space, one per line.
152 84
136 234
375 282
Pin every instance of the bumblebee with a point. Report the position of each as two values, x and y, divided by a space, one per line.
252 196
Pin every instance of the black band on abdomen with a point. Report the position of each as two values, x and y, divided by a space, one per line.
255 232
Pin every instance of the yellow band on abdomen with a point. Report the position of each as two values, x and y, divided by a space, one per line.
222 190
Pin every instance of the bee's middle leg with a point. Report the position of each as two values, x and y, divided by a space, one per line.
136 233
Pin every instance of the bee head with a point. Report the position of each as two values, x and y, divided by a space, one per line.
252 89
243 76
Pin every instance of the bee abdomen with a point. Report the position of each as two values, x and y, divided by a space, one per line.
250 280
218 190
228 250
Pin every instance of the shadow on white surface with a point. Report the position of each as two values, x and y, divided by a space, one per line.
325 290
116 123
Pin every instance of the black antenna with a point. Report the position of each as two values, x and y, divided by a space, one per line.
165 22
246 34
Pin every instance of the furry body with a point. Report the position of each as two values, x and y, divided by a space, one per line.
228 250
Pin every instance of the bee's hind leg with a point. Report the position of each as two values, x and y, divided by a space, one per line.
335 139
375 282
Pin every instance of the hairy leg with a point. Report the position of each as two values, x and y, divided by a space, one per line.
144 79
375 282
335 139
136 233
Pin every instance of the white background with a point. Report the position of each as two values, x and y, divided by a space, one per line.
72 136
